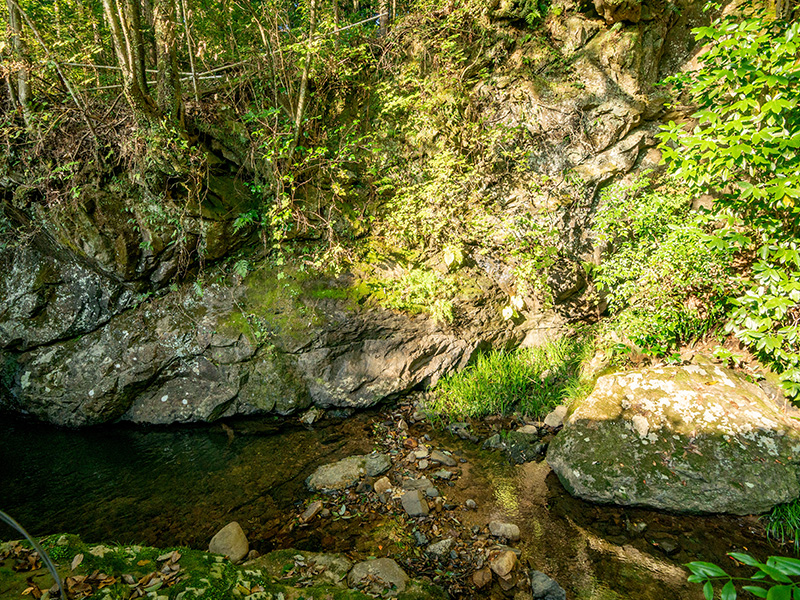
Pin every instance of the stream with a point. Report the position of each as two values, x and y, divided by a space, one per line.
178 486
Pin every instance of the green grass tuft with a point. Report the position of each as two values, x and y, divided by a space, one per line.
532 381
783 524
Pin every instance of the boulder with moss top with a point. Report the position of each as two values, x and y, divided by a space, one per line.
693 439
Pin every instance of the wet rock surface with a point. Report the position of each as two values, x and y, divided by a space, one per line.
688 439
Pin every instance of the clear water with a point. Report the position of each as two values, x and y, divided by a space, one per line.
161 487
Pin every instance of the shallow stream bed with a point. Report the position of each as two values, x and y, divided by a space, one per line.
178 486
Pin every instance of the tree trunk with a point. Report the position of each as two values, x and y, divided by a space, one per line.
168 84
384 12
301 99
130 61
18 84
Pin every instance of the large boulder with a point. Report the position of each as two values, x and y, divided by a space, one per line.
694 439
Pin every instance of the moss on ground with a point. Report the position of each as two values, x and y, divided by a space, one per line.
110 569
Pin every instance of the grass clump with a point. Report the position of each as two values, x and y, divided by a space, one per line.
783 524
529 380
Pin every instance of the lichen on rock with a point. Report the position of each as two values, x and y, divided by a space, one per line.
695 439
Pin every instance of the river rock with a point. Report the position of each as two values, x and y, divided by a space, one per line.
377 464
312 511
415 504
337 476
545 588
482 577
519 446
382 486
423 483
443 459
694 439
503 562
508 531
555 418
380 576
441 548
230 541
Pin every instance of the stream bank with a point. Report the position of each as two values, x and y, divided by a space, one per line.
177 487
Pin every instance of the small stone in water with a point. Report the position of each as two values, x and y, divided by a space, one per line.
503 563
508 531
420 539
442 458
471 504
482 577
312 511
382 485
415 504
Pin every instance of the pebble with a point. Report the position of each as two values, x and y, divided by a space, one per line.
363 487
441 548
382 485
442 458
421 453
503 563
410 443
402 425
419 538
471 504
422 465
545 588
482 577
432 492
556 418
325 513
443 474
508 531
312 511
414 504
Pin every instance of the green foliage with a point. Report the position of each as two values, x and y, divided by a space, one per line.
420 290
664 286
783 524
532 380
746 149
773 580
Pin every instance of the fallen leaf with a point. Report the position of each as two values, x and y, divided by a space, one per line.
143 562
76 561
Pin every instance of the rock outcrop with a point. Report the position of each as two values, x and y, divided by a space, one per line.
695 439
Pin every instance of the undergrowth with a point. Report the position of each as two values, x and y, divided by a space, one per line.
783 524
531 381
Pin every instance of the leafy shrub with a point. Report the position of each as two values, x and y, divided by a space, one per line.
531 380
746 148
664 286
779 569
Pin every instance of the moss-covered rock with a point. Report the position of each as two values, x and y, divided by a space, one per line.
696 439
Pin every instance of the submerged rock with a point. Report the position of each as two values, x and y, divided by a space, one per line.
545 588
346 472
694 439
230 541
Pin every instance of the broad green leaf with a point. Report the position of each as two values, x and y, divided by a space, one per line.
728 591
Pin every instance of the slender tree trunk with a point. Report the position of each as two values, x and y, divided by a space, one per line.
301 99
18 83
131 63
337 21
384 11
187 34
168 81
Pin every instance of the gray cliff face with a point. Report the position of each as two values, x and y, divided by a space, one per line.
185 358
